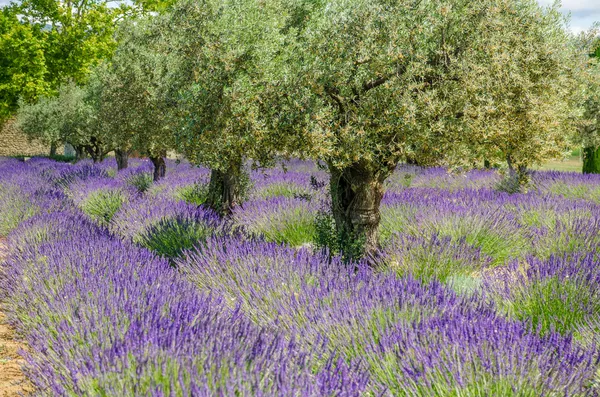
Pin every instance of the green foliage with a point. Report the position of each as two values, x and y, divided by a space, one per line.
367 82
22 63
102 205
219 54
589 129
142 181
77 35
131 107
553 304
170 237
193 194
71 116
327 236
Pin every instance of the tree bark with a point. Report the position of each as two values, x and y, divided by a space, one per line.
95 150
79 153
356 193
52 149
122 158
517 177
225 190
591 160
160 167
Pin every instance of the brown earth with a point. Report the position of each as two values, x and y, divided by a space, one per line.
12 381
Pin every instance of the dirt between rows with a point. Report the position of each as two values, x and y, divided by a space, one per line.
12 381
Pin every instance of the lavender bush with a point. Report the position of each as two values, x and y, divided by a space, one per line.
101 198
164 225
279 219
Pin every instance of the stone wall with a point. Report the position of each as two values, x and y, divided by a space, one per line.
14 143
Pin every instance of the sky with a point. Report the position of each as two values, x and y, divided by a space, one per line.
583 12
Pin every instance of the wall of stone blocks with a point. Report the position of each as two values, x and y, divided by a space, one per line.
14 143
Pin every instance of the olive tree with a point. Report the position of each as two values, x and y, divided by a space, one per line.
219 56
69 117
367 84
132 108
589 132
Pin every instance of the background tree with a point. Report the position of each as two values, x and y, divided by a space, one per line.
589 132
525 105
77 34
69 117
220 56
132 107
370 83
22 63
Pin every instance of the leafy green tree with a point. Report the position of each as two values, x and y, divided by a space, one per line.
77 34
589 135
69 117
367 84
132 108
220 55
22 64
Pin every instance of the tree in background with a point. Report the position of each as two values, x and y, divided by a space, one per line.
47 44
525 105
70 116
77 34
370 83
589 133
133 111
22 64
220 53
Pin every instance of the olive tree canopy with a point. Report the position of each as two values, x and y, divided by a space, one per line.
367 84
218 54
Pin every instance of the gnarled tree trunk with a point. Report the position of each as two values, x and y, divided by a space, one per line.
160 167
79 152
225 190
356 193
517 178
591 160
122 158
52 149
95 150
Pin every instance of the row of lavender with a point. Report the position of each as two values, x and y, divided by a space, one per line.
476 292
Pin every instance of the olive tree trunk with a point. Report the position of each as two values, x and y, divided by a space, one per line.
122 158
591 160
79 152
52 149
160 167
356 193
95 150
225 190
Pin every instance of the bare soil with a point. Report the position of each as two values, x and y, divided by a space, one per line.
12 381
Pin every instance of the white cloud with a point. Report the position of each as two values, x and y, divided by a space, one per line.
583 12
576 5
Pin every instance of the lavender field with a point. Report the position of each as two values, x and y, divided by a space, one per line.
121 286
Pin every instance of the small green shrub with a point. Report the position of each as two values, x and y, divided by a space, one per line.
102 205
554 305
141 181
193 194
170 237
